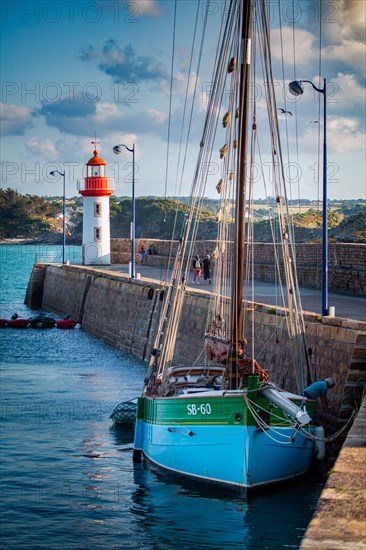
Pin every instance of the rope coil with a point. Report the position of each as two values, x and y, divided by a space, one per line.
250 366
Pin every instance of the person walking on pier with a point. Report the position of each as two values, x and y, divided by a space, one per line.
197 266
207 269
141 254
320 389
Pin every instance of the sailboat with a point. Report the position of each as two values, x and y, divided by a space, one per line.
220 419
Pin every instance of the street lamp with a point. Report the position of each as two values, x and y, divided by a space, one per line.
53 173
296 88
117 149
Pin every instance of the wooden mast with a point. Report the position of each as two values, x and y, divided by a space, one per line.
239 244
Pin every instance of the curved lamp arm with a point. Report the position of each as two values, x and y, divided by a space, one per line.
117 149
296 88
62 174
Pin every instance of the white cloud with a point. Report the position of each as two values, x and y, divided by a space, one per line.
349 93
116 138
156 116
305 52
106 112
348 20
119 167
45 150
144 7
14 119
344 94
180 84
130 10
184 55
345 34
343 40
344 135
351 52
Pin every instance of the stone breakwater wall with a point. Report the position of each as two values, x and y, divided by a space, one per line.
339 520
125 312
346 262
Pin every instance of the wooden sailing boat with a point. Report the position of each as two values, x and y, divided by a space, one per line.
223 421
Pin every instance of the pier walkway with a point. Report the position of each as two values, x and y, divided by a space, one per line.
339 522
346 306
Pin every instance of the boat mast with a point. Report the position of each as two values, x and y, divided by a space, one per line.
239 244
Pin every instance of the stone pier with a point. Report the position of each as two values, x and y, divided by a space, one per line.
339 522
346 261
125 313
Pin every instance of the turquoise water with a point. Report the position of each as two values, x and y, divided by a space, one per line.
67 477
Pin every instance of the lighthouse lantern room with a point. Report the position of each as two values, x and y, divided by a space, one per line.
96 225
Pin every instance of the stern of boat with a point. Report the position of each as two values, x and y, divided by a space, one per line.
138 443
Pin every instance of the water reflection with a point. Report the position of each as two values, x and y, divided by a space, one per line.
122 434
176 512
180 515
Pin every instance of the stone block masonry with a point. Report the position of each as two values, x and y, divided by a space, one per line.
34 296
125 313
122 314
346 262
65 293
108 305
339 521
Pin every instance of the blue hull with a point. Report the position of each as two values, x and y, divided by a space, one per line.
237 455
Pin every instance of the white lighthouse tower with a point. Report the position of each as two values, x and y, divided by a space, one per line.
96 226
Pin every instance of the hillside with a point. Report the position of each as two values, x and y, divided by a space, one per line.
307 227
157 219
39 219
29 216
351 230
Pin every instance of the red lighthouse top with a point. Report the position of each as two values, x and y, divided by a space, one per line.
95 183
95 160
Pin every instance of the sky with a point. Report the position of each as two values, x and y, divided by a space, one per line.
75 69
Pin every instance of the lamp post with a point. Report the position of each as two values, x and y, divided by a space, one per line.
53 173
117 149
296 88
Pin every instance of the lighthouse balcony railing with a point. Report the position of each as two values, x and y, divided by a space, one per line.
95 184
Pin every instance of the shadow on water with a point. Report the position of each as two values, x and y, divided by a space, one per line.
177 511
122 434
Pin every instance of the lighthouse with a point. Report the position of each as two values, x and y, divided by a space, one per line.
96 226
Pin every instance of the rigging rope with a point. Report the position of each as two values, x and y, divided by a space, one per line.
173 299
226 84
183 122
170 101
295 322
295 103
186 100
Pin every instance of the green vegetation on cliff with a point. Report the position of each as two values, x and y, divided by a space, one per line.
157 219
30 217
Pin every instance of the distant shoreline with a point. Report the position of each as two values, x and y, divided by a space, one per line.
18 241
40 241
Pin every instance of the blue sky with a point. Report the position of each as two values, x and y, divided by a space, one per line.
73 68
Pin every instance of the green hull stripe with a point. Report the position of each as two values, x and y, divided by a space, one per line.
219 410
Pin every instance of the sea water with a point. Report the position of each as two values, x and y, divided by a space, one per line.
67 476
